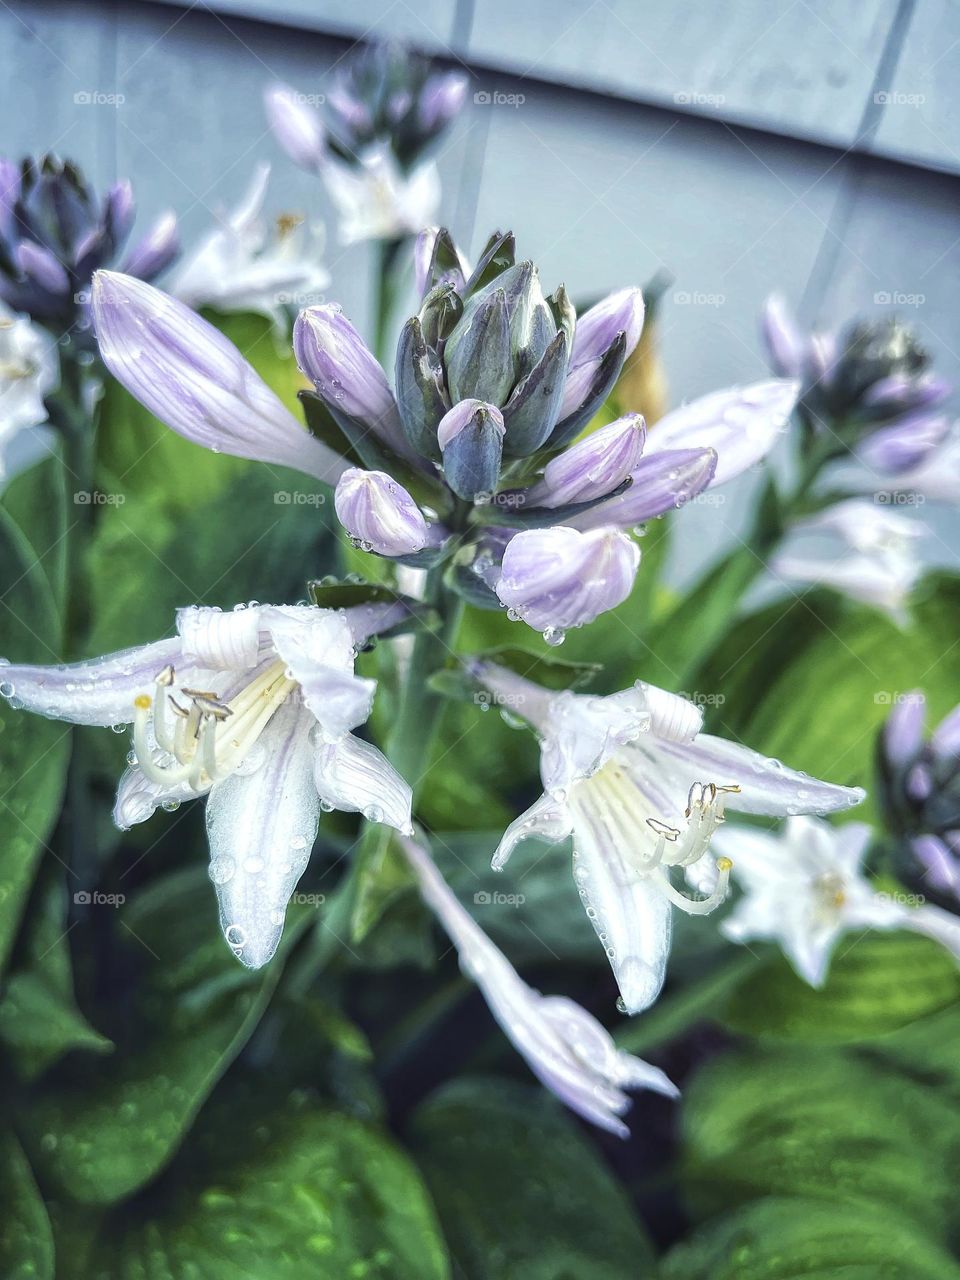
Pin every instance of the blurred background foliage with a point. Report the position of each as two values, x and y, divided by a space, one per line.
354 1111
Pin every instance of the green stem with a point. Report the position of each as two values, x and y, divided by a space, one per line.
386 286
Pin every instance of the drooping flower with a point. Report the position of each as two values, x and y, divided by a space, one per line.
55 232
804 888
642 791
28 373
569 1051
919 787
869 555
254 709
240 266
382 111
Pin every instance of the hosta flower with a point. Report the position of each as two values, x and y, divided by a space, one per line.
382 110
936 475
28 372
869 555
920 791
253 709
642 791
804 888
568 1050
239 266
870 386
55 232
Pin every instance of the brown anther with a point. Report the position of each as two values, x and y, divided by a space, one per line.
662 829
166 676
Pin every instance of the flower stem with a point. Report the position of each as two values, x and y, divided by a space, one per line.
386 285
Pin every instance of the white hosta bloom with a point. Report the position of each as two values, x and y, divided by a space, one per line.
870 555
377 201
566 1048
642 791
253 708
28 372
241 266
804 888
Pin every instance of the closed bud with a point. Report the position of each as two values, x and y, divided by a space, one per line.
477 354
593 467
437 260
532 411
440 313
782 339
621 312
471 440
296 127
420 396
155 250
379 514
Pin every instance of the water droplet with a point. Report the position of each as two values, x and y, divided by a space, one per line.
554 636
7 690
221 870
171 806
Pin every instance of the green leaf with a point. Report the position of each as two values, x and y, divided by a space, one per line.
847 662
100 1134
37 501
280 1189
877 984
34 752
26 1240
821 1124
794 1238
520 1191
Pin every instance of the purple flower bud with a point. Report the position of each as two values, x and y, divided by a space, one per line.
337 361
350 109
440 99
559 578
946 736
470 436
941 869
155 250
379 513
903 731
660 482
596 330
901 393
119 211
919 784
195 380
296 126
782 338
593 467
9 194
905 443
41 266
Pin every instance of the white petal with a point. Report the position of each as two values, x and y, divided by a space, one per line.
546 819
261 827
673 717
934 922
317 646
354 776
583 733
138 798
741 423
98 692
223 641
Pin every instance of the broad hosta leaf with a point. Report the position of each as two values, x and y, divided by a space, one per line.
34 752
520 1191
876 984
928 1050
804 1239
818 1124
26 1241
285 1191
100 1133
37 499
847 662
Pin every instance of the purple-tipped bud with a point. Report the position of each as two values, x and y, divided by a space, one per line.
440 99
195 380
559 578
903 731
659 483
379 514
156 250
9 194
470 436
905 443
621 312
946 736
344 370
593 467
901 393
119 210
296 126
41 266
782 337
437 260
941 869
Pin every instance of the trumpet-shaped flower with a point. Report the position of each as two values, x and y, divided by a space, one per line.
804 888
28 372
253 709
376 200
568 1050
642 791
238 266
